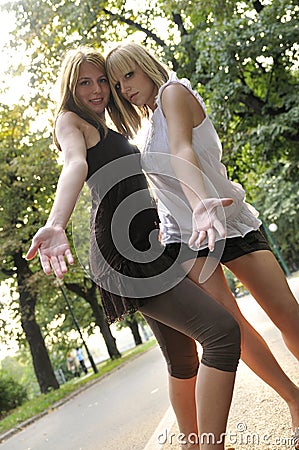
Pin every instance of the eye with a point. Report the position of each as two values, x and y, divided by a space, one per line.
129 74
84 83
103 80
117 86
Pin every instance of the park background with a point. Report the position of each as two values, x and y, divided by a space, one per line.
242 57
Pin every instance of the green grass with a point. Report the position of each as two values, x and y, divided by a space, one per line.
44 402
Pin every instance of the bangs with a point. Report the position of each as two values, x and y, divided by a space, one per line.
97 60
118 64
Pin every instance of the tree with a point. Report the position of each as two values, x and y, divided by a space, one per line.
21 201
247 65
132 322
88 291
241 55
279 202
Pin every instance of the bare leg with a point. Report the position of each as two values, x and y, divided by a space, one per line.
213 402
254 350
183 400
263 277
207 397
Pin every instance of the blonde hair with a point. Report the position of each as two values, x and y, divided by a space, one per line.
68 83
121 60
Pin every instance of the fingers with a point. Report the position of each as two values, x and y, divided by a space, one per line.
219 228
58 266
206 222
197 238
62 265
193 238
211 238
200 239
69 256
32 251
56 263
45 263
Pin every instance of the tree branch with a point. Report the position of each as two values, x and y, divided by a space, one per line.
84 292
7 272
132 24
177 18
258 6
76 289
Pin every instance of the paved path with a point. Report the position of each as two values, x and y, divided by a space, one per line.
259 418
129 409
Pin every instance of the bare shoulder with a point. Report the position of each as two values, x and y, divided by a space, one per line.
175 98
179 100
175 90
68 123
67 118
176 95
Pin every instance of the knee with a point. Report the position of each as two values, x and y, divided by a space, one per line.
222 348
182 362
184 367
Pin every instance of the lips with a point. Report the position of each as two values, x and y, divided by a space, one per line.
131 97
96 101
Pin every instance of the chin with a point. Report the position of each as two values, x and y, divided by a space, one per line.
99 112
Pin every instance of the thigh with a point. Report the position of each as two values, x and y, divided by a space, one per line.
216 286
187 309
191 311
261 274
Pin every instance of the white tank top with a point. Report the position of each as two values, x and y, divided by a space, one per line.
173 207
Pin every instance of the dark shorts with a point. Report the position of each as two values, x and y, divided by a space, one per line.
233 248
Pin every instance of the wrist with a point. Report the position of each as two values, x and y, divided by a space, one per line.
54 224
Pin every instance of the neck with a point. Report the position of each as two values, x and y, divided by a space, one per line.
152 103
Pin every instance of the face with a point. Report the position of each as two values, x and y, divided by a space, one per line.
93 88
137 87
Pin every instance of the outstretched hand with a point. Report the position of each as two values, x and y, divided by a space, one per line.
53 248
206 222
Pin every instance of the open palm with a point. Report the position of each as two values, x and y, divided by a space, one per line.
53 248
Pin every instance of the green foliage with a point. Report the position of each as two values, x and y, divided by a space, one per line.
241 56
277 196
13 393
21 369
248 68
231 279
29 169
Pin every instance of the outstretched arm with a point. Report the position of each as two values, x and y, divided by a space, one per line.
50 241
183 112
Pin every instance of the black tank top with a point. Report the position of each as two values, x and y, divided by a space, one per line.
123 217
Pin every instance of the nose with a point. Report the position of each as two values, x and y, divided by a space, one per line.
124 87
97 88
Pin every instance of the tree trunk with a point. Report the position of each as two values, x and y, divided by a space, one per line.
90 295
133 324
40 357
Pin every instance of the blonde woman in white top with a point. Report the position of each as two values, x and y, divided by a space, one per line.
182 158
